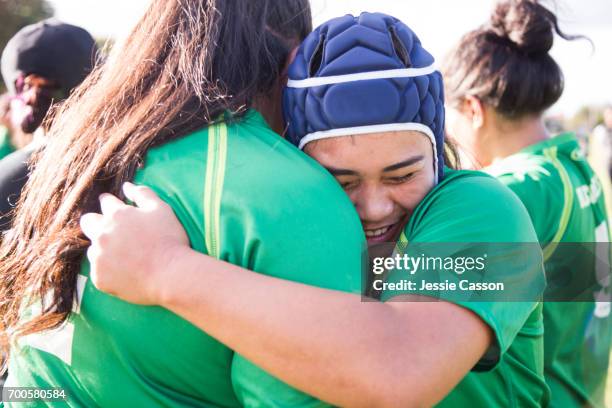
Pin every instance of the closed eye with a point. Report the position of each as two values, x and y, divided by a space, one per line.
400 179
348 185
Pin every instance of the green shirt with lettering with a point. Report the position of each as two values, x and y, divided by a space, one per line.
566 205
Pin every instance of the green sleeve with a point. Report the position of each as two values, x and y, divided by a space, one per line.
477 215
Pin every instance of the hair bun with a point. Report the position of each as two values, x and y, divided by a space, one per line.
526 24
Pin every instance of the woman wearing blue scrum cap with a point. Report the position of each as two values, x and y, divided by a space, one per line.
368 77
362 100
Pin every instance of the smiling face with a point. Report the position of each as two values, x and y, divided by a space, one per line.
386 175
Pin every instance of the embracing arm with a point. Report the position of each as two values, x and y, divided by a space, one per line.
328 344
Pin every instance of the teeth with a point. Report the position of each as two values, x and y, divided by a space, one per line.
377 232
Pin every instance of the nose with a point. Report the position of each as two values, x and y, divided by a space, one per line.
374 205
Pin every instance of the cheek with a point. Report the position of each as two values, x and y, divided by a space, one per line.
409 195
354 197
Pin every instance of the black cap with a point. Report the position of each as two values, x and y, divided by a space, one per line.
51 49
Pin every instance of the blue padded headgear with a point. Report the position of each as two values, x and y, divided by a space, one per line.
357 75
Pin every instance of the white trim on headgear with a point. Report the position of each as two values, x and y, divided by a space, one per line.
360 76
387 127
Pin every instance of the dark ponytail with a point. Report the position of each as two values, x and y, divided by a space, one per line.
506 63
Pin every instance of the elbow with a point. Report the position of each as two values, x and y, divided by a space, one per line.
395 398
389 389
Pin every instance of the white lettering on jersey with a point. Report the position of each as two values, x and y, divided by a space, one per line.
588 195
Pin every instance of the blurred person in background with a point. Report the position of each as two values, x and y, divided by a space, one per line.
499 80
11 137
41 65
600 154
602 141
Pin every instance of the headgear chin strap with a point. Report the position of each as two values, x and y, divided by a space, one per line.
358 75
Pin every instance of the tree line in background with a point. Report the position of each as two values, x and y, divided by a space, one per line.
581 122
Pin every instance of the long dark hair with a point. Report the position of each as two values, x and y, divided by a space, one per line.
506 62
185 63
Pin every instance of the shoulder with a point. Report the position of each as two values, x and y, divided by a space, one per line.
173 156
291 215
472 206
14 171
535 178
470 212
177 167
466 182
278 179
538 181
468 190
14 164
256 198
525 169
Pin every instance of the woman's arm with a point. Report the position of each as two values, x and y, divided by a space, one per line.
326 343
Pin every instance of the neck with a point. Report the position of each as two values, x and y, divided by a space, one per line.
507 137
269 106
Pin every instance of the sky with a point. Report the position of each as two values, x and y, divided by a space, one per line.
438 23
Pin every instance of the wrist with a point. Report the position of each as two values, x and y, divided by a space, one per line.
165 285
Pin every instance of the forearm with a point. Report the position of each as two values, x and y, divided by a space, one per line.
283 327
326 343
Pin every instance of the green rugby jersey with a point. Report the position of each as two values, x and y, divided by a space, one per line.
472 207
6 147
244 195
565 202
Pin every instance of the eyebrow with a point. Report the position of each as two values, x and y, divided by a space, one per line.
404 163
346 172
340 172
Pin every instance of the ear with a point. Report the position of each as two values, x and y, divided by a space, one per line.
474 109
